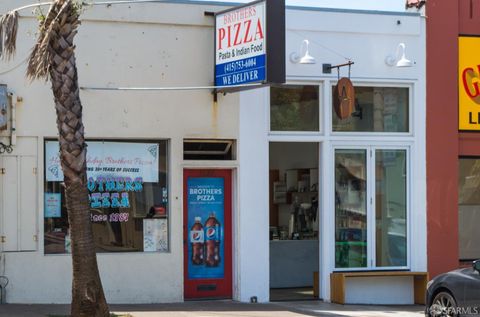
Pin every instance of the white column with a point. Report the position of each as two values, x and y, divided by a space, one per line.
252 219
418 212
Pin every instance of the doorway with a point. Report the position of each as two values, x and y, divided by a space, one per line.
294 220
207 234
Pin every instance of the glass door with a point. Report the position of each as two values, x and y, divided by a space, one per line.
390 208
371 208
350 208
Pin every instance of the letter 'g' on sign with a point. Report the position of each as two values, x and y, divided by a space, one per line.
471 86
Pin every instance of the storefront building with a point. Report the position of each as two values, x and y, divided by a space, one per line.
236 196
452 134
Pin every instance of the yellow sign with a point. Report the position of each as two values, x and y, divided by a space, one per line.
469 83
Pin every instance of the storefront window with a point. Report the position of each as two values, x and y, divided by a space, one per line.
350 208
469 208
391 207
377 109
128 192
294 108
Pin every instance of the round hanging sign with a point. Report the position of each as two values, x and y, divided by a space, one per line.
344 98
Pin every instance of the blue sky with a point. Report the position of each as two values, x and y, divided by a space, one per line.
383 5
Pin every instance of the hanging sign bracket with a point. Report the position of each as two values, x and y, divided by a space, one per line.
327 68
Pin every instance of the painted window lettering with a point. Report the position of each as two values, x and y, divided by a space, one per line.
115 184
115 217
112 192
109 200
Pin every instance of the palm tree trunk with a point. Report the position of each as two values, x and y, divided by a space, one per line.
54 56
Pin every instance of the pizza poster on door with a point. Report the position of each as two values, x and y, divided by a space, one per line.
469 84
206 222
240 45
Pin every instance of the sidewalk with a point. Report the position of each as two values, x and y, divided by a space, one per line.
225 308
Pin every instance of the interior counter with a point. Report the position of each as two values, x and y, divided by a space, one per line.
292 263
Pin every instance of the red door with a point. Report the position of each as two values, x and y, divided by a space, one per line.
207 233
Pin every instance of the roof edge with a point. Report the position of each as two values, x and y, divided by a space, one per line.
294 7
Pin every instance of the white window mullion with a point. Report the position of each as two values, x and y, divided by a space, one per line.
371 207
409 182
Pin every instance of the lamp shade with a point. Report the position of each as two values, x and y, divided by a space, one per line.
307 59
391 60
404 62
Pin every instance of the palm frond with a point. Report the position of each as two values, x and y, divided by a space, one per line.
40 59
8 34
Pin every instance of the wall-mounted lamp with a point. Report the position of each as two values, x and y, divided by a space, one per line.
305 59
392 60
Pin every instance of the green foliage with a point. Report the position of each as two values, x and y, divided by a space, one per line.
39 14
79 6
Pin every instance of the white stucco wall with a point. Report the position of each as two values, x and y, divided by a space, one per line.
141 45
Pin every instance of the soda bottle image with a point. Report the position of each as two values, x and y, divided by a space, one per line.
197 241
212 241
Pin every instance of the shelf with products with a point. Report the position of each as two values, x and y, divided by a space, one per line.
350 221
294 204
288 197
299 221
300 181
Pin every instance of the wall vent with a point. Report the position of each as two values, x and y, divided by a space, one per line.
208 149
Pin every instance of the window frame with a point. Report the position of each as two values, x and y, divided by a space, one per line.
126 140
321 98
370 149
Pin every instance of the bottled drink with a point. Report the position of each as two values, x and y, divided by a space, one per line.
212 241
197 241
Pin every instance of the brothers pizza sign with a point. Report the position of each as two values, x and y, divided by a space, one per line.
245 39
